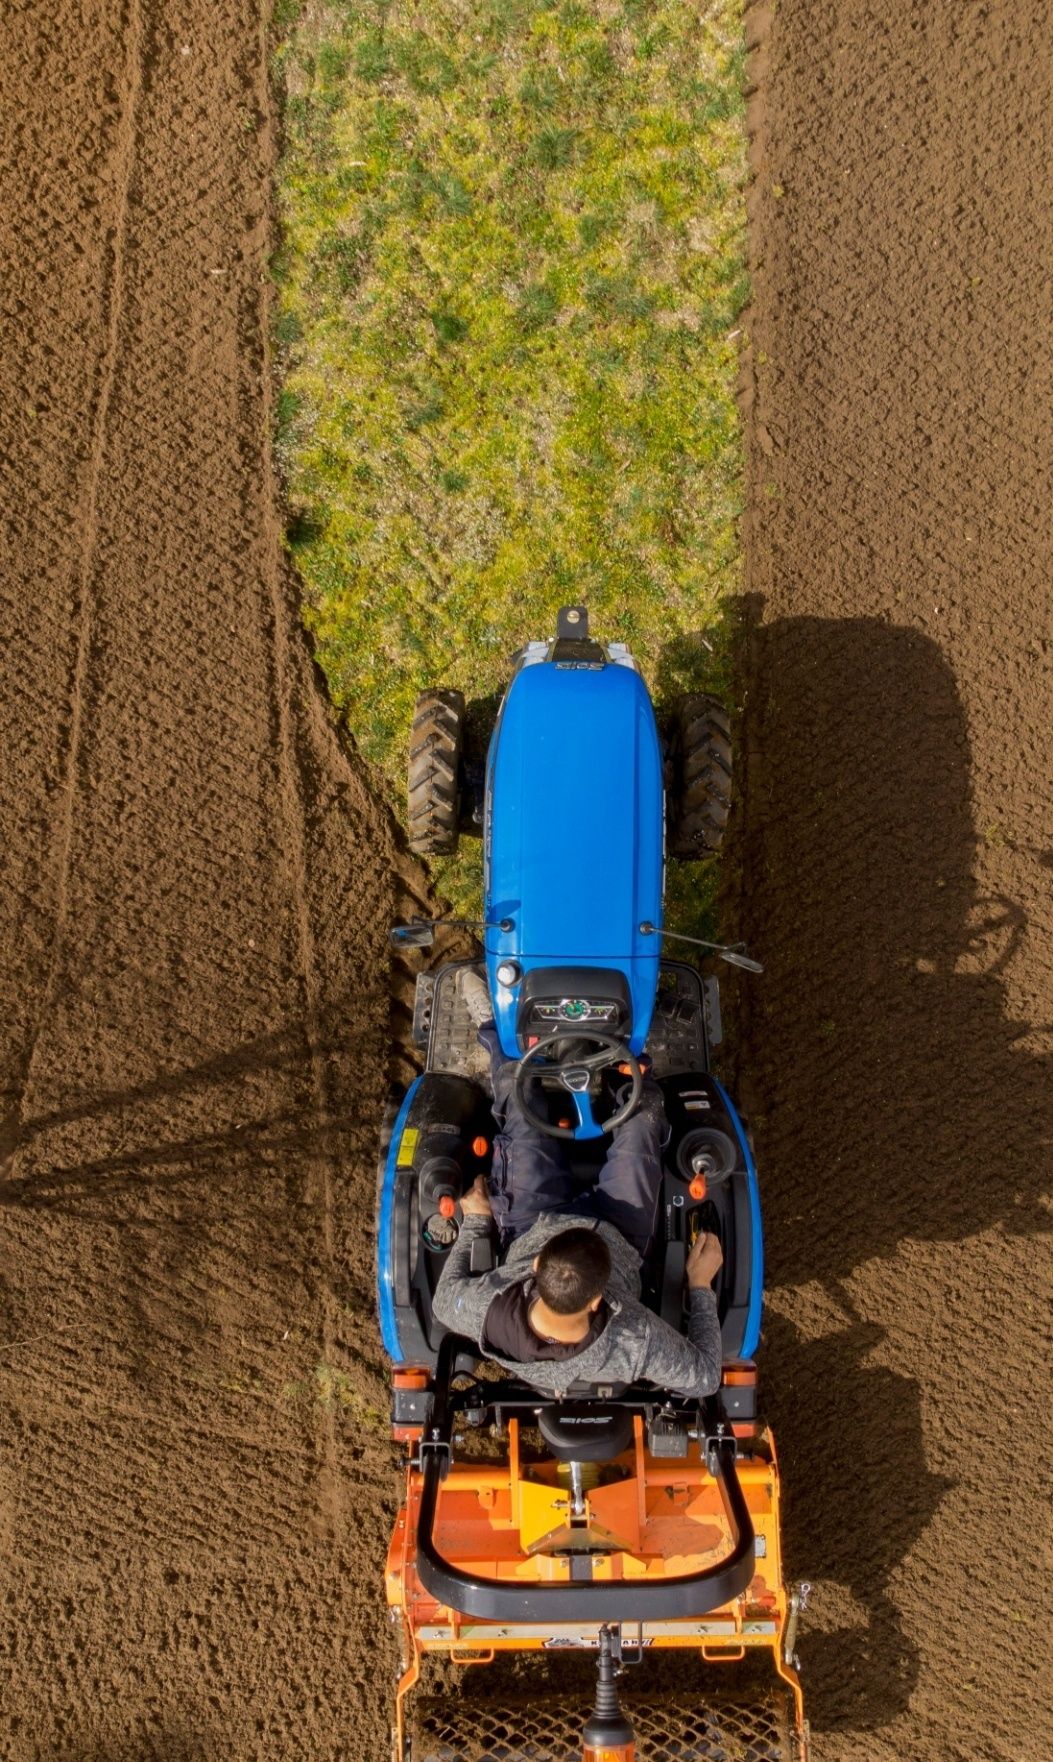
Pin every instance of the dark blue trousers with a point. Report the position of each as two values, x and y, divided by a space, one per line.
531 1172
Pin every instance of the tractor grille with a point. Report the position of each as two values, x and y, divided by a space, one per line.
668 1729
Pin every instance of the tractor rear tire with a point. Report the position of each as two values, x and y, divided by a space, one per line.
698 776
436 740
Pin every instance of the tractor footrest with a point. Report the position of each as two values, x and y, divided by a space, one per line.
677 1041
423 1001
453 1040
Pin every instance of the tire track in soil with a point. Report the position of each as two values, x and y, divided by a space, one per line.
894 848
111 308
43 480
195 1477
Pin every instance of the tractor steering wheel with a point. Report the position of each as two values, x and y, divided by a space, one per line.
574 1074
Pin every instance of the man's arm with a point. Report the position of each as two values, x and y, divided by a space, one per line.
461 1296
690 1367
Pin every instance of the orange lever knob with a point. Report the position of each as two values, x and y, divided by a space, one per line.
697 1188
447 1205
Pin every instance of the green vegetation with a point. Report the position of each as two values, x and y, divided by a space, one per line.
512 264
332 1388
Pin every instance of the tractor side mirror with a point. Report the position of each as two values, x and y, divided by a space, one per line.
735 959
418 935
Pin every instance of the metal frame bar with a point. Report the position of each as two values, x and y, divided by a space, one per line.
687 1595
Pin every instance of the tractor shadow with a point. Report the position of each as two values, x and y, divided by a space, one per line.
871 1050
891 1094
121 1141
857 1495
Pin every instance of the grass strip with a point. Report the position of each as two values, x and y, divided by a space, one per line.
508 291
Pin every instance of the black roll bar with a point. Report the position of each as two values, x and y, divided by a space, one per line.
613 1600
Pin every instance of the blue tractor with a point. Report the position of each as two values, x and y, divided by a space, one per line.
579 796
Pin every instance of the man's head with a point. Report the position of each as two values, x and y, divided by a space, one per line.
572 1270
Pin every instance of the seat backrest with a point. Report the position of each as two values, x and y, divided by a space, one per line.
584 1431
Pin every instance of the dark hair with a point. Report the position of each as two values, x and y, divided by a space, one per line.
572 1269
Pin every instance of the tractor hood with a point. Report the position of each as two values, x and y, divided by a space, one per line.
573 832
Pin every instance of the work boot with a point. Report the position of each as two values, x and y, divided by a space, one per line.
475 997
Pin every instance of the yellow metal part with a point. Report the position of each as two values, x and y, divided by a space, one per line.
548 1525
543 1510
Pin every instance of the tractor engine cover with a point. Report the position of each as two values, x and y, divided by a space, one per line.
573 839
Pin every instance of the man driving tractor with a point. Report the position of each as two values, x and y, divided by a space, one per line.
564 1307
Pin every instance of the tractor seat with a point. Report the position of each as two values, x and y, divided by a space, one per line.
579 1431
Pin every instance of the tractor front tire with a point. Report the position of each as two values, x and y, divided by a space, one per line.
698 788
436 739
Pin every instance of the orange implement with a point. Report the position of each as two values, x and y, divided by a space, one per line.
637 1520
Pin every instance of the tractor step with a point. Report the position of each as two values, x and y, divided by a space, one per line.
452 1040
423 1001
678 1040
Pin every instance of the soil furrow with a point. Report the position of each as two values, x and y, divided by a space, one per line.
894 848
189 1222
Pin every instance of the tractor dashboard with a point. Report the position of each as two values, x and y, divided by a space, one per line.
580 997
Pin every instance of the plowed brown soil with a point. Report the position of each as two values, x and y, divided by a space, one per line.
896 853
195 1484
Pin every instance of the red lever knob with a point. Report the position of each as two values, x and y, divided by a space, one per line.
447 1205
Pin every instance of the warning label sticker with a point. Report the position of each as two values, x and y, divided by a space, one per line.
408 1147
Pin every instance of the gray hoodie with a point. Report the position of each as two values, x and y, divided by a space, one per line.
635 1346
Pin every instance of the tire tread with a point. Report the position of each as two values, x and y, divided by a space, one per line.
433 783
699 773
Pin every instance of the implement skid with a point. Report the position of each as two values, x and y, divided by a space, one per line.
639 1520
